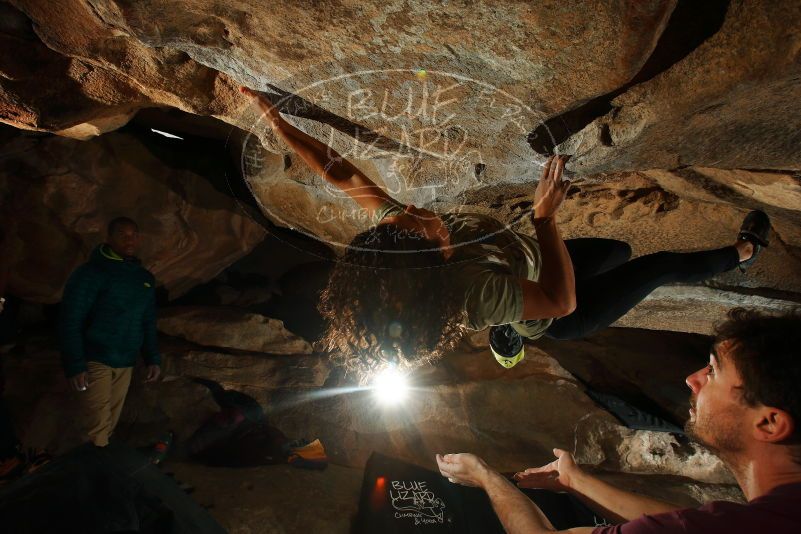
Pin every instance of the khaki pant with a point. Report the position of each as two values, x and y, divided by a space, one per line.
102 401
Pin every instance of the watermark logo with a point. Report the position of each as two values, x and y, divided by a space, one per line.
423 137
412 500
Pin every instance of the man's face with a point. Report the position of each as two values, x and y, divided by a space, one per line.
124 240
718 417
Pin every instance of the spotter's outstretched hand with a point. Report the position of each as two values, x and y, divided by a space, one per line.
555 476
464 468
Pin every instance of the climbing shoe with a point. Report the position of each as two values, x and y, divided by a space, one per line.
506 345
755 229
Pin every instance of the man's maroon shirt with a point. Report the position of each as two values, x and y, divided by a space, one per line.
777 512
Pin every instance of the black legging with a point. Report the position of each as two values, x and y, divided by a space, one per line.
608 285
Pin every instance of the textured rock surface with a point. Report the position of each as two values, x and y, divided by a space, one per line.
230 328
252 374
462 404
435 102
512 418
731 103
60 194
77 93
694 309
459 405
646 368
620 449
776 193
173 54
676 490
459 139
94 71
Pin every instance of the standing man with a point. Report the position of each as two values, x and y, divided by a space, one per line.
746 407
108 315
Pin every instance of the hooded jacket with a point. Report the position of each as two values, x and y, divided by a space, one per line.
108 313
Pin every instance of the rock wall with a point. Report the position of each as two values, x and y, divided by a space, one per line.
231 328
57 196
512 418
680 117
443 105
731 103
184 55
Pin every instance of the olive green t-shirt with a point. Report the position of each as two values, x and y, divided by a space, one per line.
489 259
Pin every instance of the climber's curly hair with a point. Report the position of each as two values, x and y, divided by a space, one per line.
389 299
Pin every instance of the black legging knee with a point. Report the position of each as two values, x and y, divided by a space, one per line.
592 256
614 287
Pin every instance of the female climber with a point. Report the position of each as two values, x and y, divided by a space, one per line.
407 289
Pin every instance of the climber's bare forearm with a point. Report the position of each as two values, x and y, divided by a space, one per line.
321 158
331 166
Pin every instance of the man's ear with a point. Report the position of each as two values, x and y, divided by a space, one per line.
773 425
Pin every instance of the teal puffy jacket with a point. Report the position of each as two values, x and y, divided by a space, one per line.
108 313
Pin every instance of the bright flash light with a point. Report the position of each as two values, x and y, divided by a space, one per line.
390 386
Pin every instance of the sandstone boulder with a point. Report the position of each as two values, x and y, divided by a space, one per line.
644 367
78 100
776 193
726 105
467 402
679 491
253 374
178 60
94 71
59 194
392 122
230 328
619 449
695 309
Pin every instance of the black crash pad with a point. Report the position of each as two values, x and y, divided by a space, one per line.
402 498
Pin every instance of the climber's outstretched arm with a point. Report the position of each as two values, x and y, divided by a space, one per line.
323 159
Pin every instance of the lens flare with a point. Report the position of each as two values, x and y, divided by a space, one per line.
390 386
